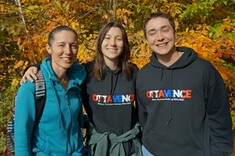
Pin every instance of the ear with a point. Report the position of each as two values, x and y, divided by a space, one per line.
48 49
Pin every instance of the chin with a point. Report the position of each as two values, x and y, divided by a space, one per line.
161 51
66 66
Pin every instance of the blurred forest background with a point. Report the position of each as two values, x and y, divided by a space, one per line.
208 26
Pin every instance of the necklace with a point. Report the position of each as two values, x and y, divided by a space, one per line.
64 82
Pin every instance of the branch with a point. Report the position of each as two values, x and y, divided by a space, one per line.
21 14
25 27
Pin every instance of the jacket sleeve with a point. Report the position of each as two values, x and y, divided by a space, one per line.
24 120
218 110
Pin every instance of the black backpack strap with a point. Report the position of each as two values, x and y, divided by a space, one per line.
40 96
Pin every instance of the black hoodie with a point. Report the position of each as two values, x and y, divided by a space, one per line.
184 109
110 103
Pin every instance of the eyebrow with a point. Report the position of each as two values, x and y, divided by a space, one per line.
58 43
114 36
165 26
64 42
162 27
151 30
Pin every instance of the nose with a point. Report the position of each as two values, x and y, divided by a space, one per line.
160 36
112 41
68 49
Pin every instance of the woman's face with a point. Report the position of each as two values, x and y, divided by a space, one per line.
112 45
63 50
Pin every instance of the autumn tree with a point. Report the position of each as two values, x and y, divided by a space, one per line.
206 26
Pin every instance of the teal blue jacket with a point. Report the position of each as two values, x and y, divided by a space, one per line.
58 132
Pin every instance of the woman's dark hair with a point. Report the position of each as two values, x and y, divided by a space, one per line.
98 70
51 36
156 15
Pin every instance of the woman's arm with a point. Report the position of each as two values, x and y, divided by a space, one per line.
24 119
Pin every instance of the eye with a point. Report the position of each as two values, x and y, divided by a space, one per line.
60 45
106 37
119 38
74 46
166 29
151 33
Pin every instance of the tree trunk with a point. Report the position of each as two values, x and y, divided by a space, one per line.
25 28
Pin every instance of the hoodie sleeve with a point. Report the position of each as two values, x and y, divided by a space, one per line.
142 112
218 110
24 119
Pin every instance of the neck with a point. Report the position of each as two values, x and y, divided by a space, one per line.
170 58
64 81
63 78
61 75
112 64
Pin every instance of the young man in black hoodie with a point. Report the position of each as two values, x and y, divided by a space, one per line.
183 105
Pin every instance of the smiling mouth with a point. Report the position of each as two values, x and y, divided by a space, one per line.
161 44
112 50
67 59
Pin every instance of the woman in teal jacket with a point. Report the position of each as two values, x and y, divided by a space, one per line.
58 132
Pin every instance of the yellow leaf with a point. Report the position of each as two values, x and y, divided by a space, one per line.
186 30
19 64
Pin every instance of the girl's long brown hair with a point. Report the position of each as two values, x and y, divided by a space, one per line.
98 70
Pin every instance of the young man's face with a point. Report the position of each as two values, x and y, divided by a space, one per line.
160 36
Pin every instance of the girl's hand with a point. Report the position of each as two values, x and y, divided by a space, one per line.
30 74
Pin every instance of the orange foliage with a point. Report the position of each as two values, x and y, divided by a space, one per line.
211 33
215 43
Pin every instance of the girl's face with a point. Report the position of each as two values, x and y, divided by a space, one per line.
160 36
63 50
112 45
